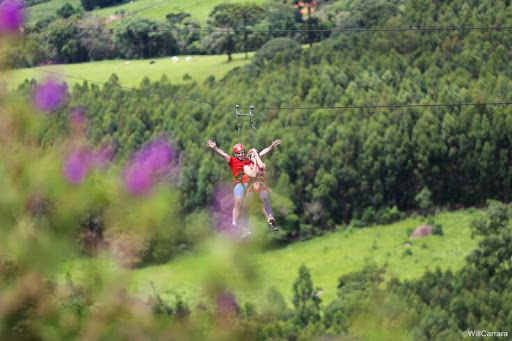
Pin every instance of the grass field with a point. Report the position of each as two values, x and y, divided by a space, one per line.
47 9
132 74
151 9
327 257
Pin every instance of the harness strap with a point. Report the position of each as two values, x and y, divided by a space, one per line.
239 178
261 184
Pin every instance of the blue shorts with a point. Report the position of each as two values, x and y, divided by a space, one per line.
239 190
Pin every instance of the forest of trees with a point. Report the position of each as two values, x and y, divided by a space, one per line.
340 165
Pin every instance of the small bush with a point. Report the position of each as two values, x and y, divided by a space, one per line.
430 220
407 252
66 11
388 215
307 231
438 230
424 200
356 223
369 216
8 268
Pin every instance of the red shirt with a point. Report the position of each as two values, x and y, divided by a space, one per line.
237 166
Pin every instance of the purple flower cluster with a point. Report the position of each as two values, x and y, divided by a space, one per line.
83 160
77 165
102 155
50 95
11 16
147 167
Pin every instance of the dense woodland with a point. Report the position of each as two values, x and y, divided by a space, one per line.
334 167
337 165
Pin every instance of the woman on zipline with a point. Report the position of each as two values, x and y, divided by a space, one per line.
256 173
237 164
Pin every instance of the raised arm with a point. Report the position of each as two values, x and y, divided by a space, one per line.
269 148
213 145
257 160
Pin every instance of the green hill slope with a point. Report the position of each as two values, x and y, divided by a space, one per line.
131 73
327 257
151 9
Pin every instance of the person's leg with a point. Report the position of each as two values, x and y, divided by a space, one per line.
244 215
238 192
264 211
265 200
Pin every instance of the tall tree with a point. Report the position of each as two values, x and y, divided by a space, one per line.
236 19
247 15
305 300
223 16
308 5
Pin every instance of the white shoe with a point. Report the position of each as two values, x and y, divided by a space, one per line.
245 232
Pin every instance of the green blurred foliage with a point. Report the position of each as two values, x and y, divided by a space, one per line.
332 167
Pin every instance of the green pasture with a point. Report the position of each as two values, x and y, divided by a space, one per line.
255 269
48 9
158 9
151 9
132 72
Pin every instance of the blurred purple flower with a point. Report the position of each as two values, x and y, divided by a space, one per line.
11 15
148 166
222 208
77 116
226 303
77 165
83 160
103 155
50 95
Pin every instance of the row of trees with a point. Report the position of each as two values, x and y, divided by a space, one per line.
73 36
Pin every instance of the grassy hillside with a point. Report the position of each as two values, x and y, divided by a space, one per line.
131 73
151 9
47 9
327 257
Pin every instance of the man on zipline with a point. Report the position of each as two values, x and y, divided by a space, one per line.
237 164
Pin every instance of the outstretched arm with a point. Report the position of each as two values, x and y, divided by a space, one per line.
213 145
257 160
269 148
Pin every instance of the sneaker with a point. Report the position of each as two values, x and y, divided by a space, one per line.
245 232
272 226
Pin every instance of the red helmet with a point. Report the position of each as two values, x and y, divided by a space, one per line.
238 147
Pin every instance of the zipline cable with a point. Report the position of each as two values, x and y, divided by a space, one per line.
251 108
414 105
135 89
341 30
